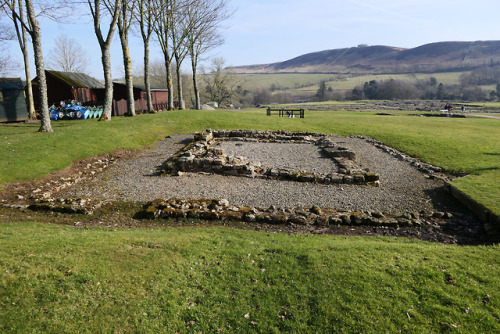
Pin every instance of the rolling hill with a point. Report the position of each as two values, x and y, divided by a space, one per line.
378 59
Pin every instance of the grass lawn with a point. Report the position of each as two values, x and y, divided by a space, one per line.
79 279
62 279
486 104
447 78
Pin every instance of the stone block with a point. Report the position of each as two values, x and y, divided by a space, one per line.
219 161
335 220
340 153
296 219
371 177
347 179
359 178
273 172
337 179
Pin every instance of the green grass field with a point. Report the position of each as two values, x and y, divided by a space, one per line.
283 80
300 83
65 279
61 279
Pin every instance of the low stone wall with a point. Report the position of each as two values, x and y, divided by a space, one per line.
421 166
491 222
223 210
202 155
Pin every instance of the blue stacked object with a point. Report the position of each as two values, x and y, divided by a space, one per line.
73 110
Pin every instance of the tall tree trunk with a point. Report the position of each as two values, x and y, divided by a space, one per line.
194 66
21 36
169 82
180 95
36 37
146 76
29 89
105 45
178 72
128 72
108 85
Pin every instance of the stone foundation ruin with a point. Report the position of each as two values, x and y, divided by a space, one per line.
221 209
286 179
207 155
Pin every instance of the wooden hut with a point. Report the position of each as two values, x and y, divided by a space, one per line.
12 100
159 97
63 86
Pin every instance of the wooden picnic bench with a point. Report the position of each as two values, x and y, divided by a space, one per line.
289 112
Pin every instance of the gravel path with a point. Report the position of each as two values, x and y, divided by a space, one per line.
403 188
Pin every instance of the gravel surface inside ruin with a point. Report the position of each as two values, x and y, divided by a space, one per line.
298 157
403 188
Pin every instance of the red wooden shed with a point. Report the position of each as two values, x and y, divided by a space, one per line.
159 97
62 86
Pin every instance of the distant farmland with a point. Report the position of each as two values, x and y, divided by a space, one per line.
300 83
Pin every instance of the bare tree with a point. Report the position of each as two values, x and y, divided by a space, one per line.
124 24
105 44
23 45
163 12
158 73
171 35
205 19
6 34
179 31
179 58
220 84
144 16
36 37
68 56
24 15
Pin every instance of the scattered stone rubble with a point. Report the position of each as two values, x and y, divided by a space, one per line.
203 155
45 197
221 209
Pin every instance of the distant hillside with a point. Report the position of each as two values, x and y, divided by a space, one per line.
434 57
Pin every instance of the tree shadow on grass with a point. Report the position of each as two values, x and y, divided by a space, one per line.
489 169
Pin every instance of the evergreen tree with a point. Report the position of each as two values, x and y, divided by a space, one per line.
440 95
321 93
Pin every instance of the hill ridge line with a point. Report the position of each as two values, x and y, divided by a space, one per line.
446 56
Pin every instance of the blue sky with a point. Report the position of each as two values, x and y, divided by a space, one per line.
267 31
